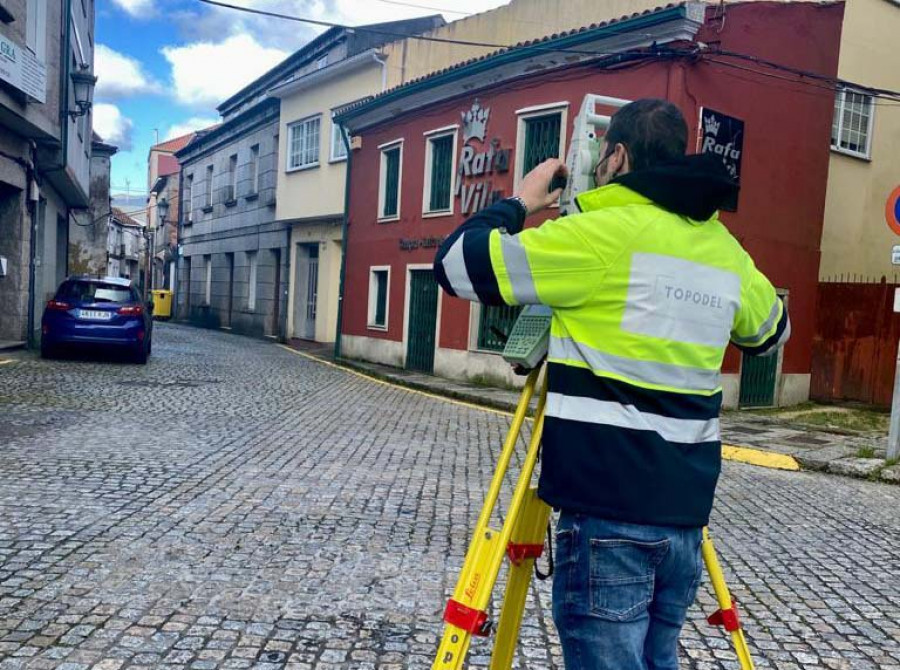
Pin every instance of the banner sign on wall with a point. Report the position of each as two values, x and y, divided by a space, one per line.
20 69
723 136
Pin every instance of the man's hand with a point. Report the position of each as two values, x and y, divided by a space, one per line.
535 187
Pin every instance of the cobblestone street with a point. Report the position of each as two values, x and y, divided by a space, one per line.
235 505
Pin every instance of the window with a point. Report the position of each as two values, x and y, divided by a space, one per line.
209 185
186 283
338 148
254 169
36 27
541 135
207 288
322 62
251 280
379 279
188 198
389 181
303 143
440 150
231 193
851 126
495 323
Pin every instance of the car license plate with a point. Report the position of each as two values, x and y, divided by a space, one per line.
95 314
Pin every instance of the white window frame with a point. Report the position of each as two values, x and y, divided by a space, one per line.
530 112
254 170
322 62
430 136
382 180
373 296
188 199
406 311
474 325
292 128
867 154
336 141
207 288
36 27
253 266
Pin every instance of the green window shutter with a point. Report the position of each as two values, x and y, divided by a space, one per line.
500 318
541 140
380 297
391 181
441 168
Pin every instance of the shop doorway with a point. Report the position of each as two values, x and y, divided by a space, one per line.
306 291
420 339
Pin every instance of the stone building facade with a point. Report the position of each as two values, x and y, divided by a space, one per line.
45 152
233 255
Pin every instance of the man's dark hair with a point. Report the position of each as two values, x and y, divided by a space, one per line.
652 130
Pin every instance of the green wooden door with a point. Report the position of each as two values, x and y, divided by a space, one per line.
758 375
423 295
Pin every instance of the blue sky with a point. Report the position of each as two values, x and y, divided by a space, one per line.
164 65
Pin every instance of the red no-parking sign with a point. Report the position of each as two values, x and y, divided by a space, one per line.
892 210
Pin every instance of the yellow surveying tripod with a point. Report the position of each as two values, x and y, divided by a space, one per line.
521 537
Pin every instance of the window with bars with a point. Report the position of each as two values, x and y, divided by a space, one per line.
495 324
390 182
851 126
378 296
303 143
440 181
541 139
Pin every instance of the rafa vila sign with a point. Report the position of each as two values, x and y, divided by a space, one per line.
723 136
892 211
478 164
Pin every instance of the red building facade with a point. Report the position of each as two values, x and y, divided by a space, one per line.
487 121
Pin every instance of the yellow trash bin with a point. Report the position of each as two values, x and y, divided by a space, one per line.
162 303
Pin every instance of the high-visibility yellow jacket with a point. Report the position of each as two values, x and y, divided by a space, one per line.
645 299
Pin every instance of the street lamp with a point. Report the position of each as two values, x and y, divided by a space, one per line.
83 85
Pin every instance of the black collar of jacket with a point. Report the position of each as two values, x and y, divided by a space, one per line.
694 186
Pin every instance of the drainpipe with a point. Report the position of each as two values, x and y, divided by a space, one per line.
31 207
383 64
344 230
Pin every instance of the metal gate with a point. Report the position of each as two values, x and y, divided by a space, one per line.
758 376
423 294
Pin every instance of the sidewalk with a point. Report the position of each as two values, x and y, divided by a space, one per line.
860 456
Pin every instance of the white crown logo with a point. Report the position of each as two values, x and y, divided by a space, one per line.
475 121
712 126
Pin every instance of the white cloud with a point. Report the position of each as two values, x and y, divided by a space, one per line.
206 73
136 8
119 76
112 126
193 123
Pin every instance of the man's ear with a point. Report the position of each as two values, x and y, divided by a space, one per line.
619 162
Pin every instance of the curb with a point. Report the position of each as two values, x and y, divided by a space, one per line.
739 454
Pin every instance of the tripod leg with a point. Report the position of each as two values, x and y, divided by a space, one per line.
466 613
727 615
525 546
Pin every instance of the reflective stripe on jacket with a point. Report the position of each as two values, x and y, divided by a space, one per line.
644 304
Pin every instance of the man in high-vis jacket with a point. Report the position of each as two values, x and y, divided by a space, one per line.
647 288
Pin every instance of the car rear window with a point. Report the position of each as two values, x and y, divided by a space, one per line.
85 291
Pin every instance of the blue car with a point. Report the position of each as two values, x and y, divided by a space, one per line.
99 313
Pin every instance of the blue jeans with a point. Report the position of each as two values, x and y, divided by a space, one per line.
621 592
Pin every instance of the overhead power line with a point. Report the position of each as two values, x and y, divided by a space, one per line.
805 77
432 9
